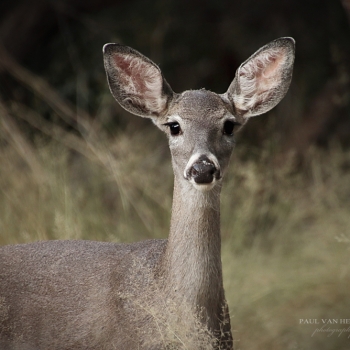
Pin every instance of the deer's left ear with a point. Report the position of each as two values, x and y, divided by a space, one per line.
136 82
263 79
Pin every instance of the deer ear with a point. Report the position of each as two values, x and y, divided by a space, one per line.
263 79
135 81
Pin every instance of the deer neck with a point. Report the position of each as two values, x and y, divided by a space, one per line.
193 254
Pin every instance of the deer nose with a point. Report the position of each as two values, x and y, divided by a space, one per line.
203 171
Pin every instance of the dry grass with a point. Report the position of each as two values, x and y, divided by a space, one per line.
285 228
286 255
172 325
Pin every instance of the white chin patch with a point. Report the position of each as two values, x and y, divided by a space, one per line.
203 187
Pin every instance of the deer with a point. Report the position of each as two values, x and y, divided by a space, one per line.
101 295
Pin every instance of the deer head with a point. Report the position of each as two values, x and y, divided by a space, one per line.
200 124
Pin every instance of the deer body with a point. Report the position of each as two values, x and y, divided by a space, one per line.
94 295
73 301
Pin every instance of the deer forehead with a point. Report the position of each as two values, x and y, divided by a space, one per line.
199 105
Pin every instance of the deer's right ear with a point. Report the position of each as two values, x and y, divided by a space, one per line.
136 82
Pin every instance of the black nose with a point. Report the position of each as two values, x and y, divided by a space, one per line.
203 171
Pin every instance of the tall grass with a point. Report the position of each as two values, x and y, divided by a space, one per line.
286 251
285 226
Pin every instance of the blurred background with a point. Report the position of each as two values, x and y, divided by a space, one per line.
74 165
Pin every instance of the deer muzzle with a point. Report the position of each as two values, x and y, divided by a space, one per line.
203 171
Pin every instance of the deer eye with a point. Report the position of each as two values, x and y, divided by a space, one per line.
229 127
174 127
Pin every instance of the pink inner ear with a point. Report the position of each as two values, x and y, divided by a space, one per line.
275 62
259 79
263 73
268 68
122 63
140 82
131 72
